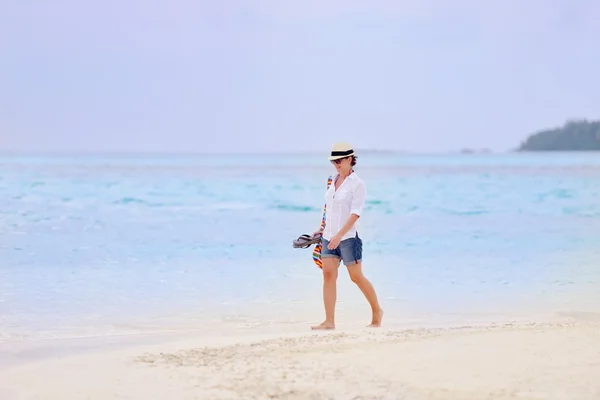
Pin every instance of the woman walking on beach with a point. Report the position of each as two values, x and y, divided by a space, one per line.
344 203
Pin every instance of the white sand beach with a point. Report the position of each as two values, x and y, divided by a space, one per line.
543 360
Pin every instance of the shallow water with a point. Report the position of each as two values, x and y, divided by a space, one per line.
98 245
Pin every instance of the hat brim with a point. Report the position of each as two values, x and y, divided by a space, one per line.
337 157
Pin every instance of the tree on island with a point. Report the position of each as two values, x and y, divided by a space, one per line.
574 135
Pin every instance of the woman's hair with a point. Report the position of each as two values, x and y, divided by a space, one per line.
353 162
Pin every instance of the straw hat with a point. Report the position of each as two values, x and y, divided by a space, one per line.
341 150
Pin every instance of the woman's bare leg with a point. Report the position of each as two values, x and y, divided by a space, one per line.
330 274
366 287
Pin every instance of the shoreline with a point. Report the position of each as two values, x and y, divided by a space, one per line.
522 359
21 350
247 326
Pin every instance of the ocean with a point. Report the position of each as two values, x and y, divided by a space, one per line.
116 244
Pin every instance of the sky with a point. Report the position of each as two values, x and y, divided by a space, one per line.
293 76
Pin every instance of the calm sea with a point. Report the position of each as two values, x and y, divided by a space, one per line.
114 244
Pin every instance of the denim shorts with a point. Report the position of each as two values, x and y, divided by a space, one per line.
349 250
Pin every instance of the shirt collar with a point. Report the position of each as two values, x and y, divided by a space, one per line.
351 176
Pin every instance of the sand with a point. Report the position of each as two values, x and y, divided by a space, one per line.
551 360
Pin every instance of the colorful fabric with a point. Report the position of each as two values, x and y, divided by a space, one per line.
316 255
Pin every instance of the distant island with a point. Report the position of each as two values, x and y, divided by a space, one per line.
575 135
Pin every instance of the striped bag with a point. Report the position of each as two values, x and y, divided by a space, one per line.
316 255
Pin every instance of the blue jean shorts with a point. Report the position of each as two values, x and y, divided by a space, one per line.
349 250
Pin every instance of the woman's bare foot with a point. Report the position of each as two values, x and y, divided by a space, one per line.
323 326
377 317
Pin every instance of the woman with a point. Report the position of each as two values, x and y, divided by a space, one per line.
344 203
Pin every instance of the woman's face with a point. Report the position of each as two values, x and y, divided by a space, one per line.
342 164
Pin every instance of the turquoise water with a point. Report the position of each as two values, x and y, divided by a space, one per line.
105 244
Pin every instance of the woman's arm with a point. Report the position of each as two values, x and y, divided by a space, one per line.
348 225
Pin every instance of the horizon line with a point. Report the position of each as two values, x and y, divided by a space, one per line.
359 151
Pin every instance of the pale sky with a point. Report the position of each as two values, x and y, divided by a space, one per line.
268 76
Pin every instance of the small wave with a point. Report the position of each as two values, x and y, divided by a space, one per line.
580 212
556 194
219 206
295 208
471 212
465 212
229 206
376 202
136 201
130 200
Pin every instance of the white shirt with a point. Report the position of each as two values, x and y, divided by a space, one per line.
348 199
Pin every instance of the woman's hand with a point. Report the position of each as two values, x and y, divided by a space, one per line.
334 242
